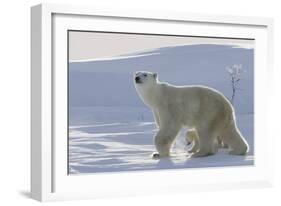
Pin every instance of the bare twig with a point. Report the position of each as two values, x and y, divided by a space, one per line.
235 73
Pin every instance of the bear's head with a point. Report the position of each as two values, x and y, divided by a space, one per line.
146 86
144 79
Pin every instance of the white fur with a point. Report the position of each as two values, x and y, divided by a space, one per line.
205 111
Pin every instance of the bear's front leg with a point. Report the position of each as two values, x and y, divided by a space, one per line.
156 118
155 155
163 141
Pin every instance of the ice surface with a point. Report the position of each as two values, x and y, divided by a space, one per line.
127 146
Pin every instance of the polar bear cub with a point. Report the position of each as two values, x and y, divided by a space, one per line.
205 111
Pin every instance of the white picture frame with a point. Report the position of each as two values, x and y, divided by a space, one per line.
49 178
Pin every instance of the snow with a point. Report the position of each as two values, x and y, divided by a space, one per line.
127 146
182 65
111 130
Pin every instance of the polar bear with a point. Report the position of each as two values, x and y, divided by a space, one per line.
205 111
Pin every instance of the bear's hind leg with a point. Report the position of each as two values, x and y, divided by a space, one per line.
221 143
208 144
233 138
192 137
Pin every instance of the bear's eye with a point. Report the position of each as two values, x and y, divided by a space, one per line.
145 75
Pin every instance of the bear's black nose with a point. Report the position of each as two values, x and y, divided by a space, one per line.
137 79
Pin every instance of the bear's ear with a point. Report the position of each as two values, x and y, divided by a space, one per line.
155 75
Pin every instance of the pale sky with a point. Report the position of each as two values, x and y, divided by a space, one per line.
86 46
